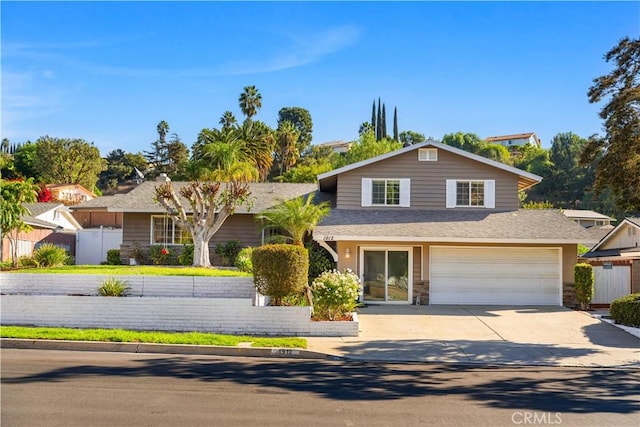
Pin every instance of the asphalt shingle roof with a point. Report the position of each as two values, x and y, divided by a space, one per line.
38 208
452 225
265 195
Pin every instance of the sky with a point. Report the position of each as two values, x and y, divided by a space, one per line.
108 72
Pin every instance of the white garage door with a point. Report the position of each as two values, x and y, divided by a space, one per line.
495 276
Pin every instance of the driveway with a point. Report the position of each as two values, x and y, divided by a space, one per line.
490 335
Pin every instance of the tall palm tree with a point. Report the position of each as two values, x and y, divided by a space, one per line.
228 120
163 129
250 101
258 142
297 217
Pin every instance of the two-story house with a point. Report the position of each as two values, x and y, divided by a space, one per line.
437 223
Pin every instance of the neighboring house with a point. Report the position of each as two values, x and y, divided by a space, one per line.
597 224
519 139
439 224
616 261
70 193
337 146
94 213
50 222
145 223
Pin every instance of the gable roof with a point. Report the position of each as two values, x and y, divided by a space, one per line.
633 222
39 208
468 226
102 202
525 179
265 195
74 186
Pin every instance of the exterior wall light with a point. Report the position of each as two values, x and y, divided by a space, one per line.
347 253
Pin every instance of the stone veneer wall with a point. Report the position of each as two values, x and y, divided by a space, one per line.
569 295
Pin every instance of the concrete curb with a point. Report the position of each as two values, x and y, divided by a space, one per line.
125 347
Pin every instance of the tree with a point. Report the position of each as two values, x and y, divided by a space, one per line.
466 141
616 155
24 159
569 179
68 161
250 101
286 153
228 120
411 137
158 156
13 196
367 147
120 168
296 217
395 124
384 121
373 116
211 204
379 123
496 152
177 154
365 127
301 120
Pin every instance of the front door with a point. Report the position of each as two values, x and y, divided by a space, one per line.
385 275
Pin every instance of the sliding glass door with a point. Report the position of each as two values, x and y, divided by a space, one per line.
385 274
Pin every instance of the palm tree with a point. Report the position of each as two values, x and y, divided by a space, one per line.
228 120
163 129
287 152
297 217
250 101
258 142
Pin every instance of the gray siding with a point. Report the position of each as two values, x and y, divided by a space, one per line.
428 180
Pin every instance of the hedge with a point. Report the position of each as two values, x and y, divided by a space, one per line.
280 270
583 279
626 310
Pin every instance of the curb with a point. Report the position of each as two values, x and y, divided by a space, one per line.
129 347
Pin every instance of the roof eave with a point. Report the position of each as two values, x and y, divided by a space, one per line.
418 239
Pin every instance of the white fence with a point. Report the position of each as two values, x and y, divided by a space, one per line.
611 283
92 244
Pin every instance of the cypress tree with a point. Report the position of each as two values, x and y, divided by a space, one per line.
379 127
384 121
395 123
373 116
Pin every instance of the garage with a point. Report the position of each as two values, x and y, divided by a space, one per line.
495 275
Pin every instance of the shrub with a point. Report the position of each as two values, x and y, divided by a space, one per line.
26 261
228 251
137 253
186 257
280 270
161 255
583 279
112 287
243 260
50 255
335 294
319 261
626 310
113 257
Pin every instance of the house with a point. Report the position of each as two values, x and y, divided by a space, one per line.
587 218
337 146
515 140
438 225
70 193
616 262
145 223
50 223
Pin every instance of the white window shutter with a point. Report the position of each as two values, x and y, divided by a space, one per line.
366 192
405 192
490 193
451 193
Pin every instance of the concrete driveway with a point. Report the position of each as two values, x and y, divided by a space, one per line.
490 335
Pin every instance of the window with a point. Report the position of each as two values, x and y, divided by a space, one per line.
385 192
427 154
470 193
165 231
631 231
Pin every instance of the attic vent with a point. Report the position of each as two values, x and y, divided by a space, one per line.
428 154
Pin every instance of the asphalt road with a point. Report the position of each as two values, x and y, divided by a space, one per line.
65 388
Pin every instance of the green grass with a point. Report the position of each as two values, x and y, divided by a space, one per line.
120 335
137 270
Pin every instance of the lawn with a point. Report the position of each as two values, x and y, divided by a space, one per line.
137 270
120 335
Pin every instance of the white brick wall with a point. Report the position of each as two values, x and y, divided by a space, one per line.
228 315
148 286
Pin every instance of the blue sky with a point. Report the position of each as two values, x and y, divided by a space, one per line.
109 72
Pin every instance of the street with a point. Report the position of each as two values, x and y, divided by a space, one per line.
66 388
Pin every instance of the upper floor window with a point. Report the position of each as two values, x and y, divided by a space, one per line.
385 192
165 231
427 154
631 231
470 193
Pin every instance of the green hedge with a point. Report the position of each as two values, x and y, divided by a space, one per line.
280 270
626 310
113 257
583 279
